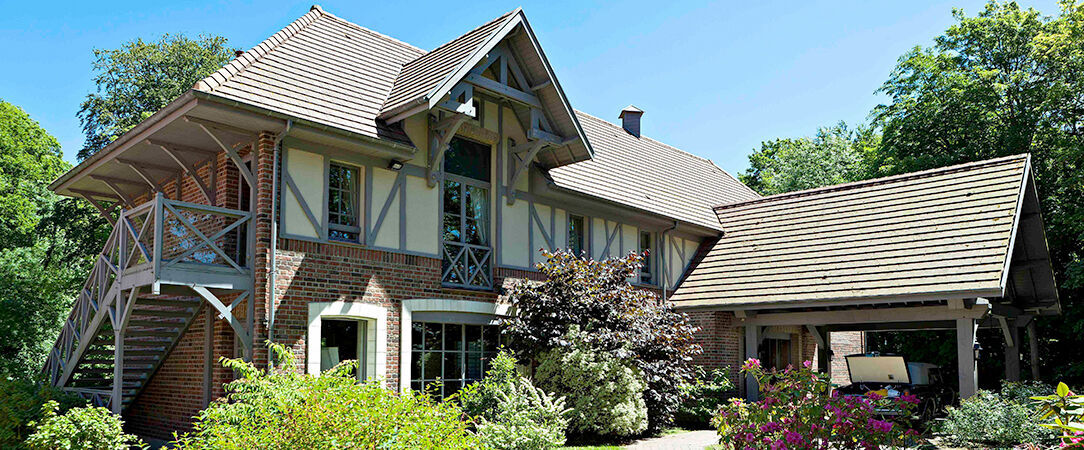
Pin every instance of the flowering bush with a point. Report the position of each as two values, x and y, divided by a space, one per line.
995 419
799 410
88 428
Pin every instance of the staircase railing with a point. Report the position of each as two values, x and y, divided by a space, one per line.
147 239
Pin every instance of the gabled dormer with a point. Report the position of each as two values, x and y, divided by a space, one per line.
503 61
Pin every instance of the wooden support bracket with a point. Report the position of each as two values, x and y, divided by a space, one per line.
441 134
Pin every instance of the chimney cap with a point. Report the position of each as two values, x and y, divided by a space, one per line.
631 110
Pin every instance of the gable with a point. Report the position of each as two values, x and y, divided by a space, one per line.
503 60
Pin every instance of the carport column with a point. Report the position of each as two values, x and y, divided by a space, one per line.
1033 349
1012 353
752 344
965 355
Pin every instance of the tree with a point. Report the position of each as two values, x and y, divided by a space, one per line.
140 78
44 243
1003 82
835 155
615 317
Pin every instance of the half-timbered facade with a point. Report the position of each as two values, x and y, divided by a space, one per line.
355 197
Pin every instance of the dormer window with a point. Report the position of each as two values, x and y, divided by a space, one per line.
465 237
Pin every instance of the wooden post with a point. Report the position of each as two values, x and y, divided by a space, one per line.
118 355
824 355
965 357
1033 353
208 352
752 343
1012 353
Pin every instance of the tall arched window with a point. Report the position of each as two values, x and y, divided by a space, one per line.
466 238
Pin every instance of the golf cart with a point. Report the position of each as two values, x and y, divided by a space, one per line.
891 376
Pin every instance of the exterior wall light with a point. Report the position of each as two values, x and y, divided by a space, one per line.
395 164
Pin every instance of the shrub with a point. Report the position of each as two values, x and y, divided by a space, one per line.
90 428
797 411
282 409
709 390
625 321
605 392
989 418
511 412
526 418
21 402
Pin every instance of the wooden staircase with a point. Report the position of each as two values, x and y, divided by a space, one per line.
164 261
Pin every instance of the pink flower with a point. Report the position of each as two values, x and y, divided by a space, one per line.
880 425
808 364
751 363
910 399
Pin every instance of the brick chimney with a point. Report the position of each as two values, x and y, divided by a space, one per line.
630 119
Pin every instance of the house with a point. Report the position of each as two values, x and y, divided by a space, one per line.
355 197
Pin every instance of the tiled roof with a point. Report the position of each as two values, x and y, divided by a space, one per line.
649 175
319 68
329 71
423 75
937 232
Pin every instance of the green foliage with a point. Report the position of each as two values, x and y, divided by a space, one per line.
283 409
617 319
480 399
604 391
526 417
511 412
90 428
703 396
44 243
990 418
140 78
835 155
21 403
1005 81
798 411
1066 410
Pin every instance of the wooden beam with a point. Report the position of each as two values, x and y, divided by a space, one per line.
527 154
242 333
172 170
232 153
870 316
248 134
752 345
117 180
438 144
965 356
537 133
124 198
190 170
107 213
145 176
182 148
504 91
541 86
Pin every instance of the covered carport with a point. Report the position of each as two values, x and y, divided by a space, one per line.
956 248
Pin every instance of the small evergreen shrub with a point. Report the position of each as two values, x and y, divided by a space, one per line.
511 412
604 392
283 409
21 402
703 396
88 428
993 419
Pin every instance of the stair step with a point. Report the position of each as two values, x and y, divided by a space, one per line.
127 370
127 352
159 313
168 302
154 324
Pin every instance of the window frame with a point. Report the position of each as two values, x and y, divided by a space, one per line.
355 192
582 234
649 259
482 278
418 350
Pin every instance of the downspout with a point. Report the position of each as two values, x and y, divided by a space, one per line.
662 251
274 231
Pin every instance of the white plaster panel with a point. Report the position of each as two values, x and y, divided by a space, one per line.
515 244
388 234
307 171
422 219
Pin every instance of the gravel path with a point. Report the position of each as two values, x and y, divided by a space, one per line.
692 440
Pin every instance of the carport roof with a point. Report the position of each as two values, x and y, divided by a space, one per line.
964 231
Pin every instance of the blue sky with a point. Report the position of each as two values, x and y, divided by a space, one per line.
715 78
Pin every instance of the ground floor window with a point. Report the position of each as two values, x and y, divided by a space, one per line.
342 340
452 354
776 353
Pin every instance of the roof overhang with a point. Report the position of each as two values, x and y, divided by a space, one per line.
110 170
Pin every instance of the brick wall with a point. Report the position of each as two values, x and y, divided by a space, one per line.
843 344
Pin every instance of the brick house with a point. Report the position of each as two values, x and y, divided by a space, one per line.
355 197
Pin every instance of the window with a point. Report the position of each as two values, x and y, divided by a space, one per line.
342 203
341 340
575 235
776 353
454 354
465 233
646 268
